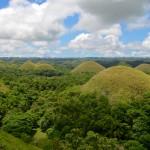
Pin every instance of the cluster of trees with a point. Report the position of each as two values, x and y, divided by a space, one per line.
72 119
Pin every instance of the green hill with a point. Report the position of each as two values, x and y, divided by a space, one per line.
88 66
29 66
8 142
122 63
119 82
144 68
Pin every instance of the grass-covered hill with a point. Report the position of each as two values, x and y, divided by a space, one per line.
27 66
120 82
144 68
8 142
88 66
30 66
122 63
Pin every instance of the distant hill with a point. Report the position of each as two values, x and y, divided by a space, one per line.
27 66
119 82
88 66
9 142
122 63
144 68
30 66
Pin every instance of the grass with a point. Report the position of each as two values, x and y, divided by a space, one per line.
88 66
8 142
30 66
41 140
119 83
144 68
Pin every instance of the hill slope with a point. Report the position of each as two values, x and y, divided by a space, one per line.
8 142
29 66
120 82
144 68
88 66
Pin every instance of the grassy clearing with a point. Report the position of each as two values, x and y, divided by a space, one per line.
41 140
8 142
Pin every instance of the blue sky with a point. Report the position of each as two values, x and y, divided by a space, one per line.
77 28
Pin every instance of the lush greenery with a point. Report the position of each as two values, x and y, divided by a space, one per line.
53 110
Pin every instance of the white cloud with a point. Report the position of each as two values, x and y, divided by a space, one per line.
29 21
97 14
32 29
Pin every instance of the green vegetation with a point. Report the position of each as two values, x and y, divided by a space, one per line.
88 66
60 110
120 83
144 67
8 142
122 63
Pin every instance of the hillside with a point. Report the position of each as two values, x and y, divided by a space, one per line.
8 142
29 66
88 66
119 83
144 68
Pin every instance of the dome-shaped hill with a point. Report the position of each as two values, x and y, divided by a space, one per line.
27 66
144 68
122 63
88 66
43 67
119 82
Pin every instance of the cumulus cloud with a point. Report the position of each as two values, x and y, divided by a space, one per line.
98 14
113 11
104 43
107 43
23 20
33 29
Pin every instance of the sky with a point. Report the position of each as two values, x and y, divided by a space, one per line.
74 28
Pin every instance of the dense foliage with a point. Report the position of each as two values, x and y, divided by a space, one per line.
68 117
